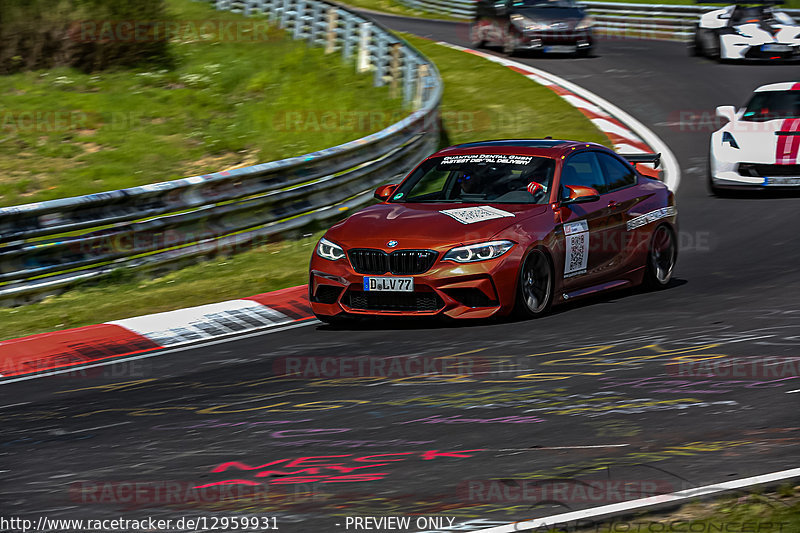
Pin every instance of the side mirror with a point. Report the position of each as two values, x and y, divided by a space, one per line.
383 192
727 111
578 194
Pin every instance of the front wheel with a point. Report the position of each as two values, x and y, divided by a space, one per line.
535 286
660 258
510 44
475 38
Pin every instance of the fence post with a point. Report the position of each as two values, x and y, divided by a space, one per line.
365 29
333 23
380 60
422 81
408 78
347 37
394 70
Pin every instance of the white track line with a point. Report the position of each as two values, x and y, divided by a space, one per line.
643 503
672 171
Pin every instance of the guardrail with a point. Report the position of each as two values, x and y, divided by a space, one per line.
617 19
47 246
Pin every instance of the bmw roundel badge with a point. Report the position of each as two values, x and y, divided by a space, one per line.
391 244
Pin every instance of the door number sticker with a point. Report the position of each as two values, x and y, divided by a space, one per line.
576 248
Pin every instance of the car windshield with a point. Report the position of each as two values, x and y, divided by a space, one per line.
479 178
543 3
772 105
745 15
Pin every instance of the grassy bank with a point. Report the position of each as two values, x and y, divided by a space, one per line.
236 97
773 512
515 107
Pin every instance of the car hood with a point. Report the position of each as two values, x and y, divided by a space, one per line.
758 33
551 14
759 143
427 225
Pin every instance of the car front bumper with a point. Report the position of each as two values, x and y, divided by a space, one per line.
454 290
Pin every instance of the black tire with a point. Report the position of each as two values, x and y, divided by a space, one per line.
716 52
585 52
474 40
712 189
661 256
535 285
510 42
695 46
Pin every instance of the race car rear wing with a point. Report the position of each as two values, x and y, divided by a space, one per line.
655 159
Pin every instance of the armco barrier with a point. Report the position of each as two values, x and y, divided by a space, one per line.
642 21
49 245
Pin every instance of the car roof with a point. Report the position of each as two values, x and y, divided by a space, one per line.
535 147
783 86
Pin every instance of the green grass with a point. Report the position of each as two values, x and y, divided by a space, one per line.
777 512
508 106
227 103
268 268
514 107
397 8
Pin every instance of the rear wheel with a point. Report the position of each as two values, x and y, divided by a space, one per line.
695 46
661 258
535 286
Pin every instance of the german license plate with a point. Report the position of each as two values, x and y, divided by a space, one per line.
389 284
561 49
781 180
776 48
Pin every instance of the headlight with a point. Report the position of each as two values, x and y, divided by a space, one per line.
478 252
585 24
727 137
327 250
528 24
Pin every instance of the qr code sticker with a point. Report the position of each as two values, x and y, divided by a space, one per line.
577 251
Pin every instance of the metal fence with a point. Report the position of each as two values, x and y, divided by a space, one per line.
47 246
616 19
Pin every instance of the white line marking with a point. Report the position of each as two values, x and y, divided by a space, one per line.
792 391
101 427
562 448
643 503
14 404
156 353
672 170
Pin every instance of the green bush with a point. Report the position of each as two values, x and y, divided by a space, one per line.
89 35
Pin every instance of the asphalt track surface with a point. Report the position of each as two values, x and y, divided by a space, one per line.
583 395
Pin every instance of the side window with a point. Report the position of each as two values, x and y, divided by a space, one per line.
618 174
583 169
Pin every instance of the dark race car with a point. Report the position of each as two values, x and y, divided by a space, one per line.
535 25
489 228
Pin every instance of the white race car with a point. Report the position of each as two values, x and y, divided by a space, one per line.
759 145
747 31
